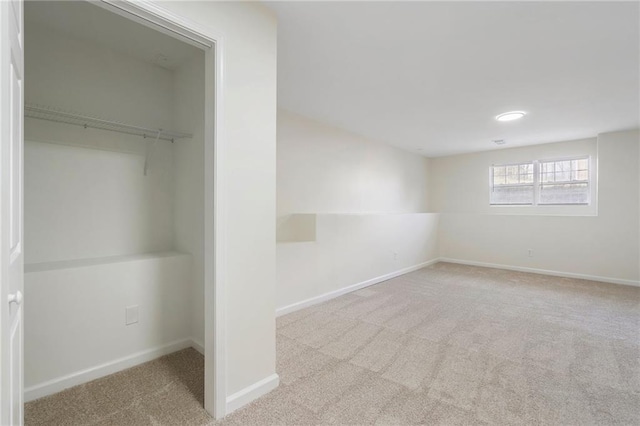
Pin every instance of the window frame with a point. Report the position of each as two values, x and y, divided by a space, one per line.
513 185
537 170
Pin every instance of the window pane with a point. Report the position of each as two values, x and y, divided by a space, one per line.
582 175
564 193
563 171
521 194
512 184
583 164
512 175
498 175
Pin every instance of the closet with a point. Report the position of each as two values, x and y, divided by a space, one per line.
114 184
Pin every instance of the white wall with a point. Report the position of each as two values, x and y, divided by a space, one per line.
189 181
606 245
80 76
350 211
322 169
349 250
248 129
75 316
459 183
85 202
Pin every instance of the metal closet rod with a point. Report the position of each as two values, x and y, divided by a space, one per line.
53 114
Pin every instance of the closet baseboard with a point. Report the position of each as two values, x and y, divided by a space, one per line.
197 345
83 376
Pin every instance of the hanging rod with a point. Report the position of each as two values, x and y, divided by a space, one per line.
53 114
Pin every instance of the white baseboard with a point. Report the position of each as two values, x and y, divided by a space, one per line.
543 271
83 376
333 294
250 393
197 345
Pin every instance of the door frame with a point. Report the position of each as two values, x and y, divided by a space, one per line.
149 13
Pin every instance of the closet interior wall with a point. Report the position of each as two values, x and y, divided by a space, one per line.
100 236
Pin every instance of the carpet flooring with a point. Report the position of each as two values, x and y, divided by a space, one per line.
448 344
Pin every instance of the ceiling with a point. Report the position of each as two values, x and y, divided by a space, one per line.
82 20
430 77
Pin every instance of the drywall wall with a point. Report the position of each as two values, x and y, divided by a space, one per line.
350 211
82 202
75 318
322 169
460 183
189 180
85 77
605 245
350 251
87 203
248 133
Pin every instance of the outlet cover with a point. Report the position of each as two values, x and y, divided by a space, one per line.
132 314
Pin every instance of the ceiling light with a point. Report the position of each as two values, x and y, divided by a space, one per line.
511 115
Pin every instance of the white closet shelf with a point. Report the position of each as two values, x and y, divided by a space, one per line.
83 263
57 115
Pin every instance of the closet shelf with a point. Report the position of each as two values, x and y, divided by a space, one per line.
108 260
57 115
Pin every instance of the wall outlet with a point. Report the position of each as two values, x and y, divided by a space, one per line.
132 314
395 255
530 252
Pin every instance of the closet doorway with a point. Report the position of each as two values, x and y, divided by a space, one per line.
121 194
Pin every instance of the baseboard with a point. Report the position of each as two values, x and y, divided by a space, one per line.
542 271
333 294
56 385
250 393
197 345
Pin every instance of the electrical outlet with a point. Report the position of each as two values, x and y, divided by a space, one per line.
530 252
395 255
132 314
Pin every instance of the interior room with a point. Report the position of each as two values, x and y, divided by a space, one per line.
312 213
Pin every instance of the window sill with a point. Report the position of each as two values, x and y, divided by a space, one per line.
545 210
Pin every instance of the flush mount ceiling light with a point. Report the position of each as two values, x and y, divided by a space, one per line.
510 116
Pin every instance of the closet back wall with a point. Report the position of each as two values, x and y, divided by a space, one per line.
86 203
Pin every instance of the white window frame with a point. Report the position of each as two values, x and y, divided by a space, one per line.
521 163
539 172
536 182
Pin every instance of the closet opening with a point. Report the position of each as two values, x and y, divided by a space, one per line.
118 200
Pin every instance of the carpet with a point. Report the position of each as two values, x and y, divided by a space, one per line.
448 344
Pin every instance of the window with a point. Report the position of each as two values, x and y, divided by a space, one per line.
545 182
512 184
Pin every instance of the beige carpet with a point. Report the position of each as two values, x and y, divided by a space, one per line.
447 344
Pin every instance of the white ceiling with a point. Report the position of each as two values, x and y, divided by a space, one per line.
431 76
82 20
